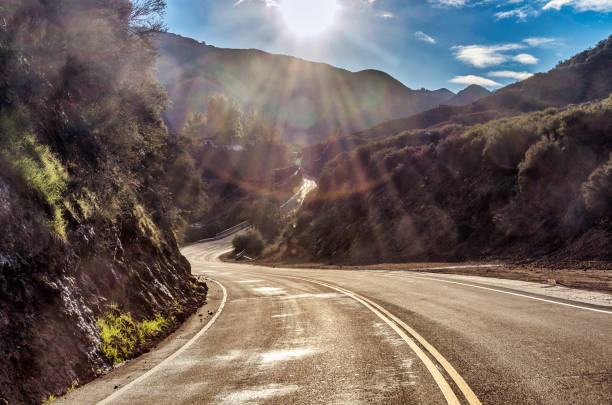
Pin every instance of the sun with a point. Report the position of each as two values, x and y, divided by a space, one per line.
309 17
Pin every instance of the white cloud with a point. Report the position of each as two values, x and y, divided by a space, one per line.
483 56
421 36
510 74
518 13
449 3
525 59
386 15
603 6
472 79
540 41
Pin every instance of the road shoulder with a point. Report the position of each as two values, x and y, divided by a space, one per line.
101 388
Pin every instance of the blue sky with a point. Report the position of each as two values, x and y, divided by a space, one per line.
431 44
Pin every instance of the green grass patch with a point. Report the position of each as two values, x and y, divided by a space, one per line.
51 398
41 172
152 328
121 335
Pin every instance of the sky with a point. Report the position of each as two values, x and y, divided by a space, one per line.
425 44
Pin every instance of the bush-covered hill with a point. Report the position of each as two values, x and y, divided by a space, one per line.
584 77
309 101
86 214
535 185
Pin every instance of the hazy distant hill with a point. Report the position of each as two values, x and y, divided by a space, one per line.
584 77
308 100
468 95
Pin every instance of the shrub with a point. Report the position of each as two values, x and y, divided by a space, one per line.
507 142
597 192
265 216
251 243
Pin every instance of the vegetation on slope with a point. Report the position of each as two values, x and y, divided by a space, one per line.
585 77
250 243
529 186
85 205
240 164
121 335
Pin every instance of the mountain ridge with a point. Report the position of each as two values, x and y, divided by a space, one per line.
584 77
470 94
309 101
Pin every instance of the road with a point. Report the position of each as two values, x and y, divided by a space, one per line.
300 336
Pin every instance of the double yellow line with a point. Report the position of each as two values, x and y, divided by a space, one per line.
409 335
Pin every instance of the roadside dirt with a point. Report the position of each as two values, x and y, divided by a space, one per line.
591 276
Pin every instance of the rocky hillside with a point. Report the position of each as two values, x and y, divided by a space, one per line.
90 271
309 101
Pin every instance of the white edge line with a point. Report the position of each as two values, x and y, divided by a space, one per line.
515 294
107 400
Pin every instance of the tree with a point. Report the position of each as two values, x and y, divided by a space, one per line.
146 16
223 120
195 127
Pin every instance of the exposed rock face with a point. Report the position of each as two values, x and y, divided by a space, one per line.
51 293
86 218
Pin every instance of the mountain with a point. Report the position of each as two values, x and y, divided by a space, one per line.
309 101
582 78
468 95
435 187
532 186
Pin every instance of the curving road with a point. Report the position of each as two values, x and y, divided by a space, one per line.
285 336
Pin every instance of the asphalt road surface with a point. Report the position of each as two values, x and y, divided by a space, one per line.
300 336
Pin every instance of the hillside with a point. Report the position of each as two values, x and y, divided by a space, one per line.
309 101
582 78
90 271
477 181
585 77
532 186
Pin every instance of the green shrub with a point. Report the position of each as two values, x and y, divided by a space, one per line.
251 243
